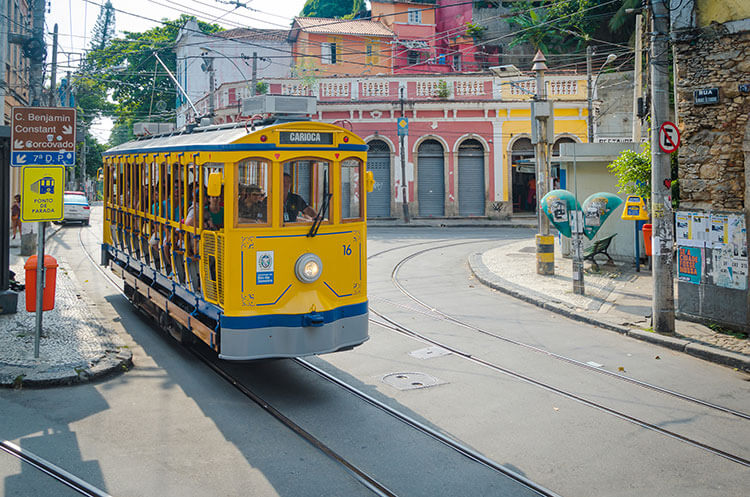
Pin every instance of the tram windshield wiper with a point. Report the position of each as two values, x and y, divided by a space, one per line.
321 215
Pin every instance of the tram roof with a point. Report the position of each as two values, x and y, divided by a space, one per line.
198 139
211 138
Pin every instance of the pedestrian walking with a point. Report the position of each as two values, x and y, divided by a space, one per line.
15 216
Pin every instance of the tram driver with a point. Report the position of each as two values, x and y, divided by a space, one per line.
253 205
294 205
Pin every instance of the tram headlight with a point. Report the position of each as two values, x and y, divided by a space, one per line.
308 268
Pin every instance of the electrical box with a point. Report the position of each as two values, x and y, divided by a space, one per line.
547 107
635 209
279 104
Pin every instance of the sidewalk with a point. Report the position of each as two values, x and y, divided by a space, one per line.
617 298
74 346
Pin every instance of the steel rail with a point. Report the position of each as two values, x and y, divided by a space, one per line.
393 325
447 317
455 445
52 470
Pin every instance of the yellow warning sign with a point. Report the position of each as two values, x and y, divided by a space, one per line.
42 194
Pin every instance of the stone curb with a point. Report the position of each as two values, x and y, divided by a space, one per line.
705 352
114 361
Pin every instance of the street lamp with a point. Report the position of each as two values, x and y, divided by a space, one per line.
592 95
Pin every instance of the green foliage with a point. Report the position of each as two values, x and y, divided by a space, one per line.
621 18
475 30
261 88
104 29
633 172
442 89
121 132
332 8
307 72
125 68
559 26
94 151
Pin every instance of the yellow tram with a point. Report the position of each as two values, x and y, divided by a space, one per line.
250 238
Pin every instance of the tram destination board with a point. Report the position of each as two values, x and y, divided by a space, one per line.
43 136
305 138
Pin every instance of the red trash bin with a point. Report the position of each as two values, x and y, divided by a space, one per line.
647 238
48 296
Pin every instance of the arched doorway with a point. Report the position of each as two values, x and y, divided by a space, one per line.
471 200
431 178
558 179
379 162
523 176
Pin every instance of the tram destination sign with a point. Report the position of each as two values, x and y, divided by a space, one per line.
305 138
43 136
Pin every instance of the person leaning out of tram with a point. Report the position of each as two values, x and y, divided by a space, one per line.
252 205
294 205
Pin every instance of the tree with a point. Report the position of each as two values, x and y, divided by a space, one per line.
633 172
332 8
560 26
104 29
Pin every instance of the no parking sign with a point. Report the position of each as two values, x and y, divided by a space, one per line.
669 137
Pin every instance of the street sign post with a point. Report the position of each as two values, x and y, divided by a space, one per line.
43 136
669 137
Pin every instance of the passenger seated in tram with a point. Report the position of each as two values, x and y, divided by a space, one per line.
253 205
294 205
215 209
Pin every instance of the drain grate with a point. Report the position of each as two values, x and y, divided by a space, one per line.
429 352
411 381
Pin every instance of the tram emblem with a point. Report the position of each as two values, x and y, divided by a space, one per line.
264 267
44 185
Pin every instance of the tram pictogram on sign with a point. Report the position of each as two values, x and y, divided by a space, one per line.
669 137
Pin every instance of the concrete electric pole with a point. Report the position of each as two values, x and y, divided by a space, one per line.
661 206
541 118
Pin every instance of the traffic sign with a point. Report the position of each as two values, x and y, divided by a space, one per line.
402 126
42 193
43 136
669 137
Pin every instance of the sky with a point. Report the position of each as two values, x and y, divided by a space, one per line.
76 19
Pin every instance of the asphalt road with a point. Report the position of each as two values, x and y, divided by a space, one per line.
171 427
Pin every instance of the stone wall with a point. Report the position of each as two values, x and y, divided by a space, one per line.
711 157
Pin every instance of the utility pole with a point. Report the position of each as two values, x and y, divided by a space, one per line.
589 93
253 90
208 66
53 76
4 35
661 206
404 189
638 77
541 114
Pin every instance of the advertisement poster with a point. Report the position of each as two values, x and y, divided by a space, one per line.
690 262
682 228
699 227
719 229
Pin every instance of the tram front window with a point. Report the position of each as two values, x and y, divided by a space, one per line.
252 189
306 184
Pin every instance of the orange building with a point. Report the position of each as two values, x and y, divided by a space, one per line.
329 47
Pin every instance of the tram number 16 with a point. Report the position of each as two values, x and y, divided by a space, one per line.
347 249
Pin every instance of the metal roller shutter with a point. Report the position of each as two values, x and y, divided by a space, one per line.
431 179
471 200
379 162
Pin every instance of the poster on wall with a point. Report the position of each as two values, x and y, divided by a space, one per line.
691 228
719 229
690 264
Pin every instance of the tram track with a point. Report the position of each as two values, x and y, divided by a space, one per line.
53 471
359 474
392 325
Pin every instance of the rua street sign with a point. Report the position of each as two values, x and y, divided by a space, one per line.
43 136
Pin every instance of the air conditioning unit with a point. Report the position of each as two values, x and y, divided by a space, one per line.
279 104
149 129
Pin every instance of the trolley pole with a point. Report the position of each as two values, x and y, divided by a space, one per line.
404 189
661 206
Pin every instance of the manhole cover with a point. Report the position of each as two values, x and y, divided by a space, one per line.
411 381
429 352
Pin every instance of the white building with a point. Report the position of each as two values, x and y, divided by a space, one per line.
232 58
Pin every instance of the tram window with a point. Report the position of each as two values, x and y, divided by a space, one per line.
252 187
306 183
351 189
213 218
